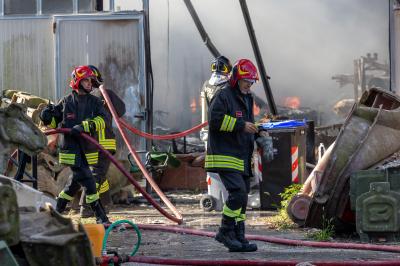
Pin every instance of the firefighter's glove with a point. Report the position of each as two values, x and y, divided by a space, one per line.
265 143
76 130
46 115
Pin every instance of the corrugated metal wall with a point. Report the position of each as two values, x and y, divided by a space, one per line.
27 56
115 46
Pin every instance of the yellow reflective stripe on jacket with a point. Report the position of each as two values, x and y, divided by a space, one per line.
66 158
228 123
104 187
99 122
242 217
53 123
102 135
64 195
224 161
92 197
85 125
231 213
92 158
108 144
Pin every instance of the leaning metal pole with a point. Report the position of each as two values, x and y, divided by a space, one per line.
260 63
204 36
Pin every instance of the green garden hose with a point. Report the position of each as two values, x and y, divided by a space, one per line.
103 248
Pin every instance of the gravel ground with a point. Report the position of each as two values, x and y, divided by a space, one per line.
173 246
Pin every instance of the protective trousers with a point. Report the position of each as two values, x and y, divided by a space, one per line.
238 187
99 172
81 176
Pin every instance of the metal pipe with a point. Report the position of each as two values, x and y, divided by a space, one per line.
112 5
1 7
148 72
200 28
257 54
39 7
394 36
75 6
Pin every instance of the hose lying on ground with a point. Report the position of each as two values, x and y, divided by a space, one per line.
275 240
177 218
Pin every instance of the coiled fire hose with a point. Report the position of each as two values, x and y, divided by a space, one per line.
177 218
115 224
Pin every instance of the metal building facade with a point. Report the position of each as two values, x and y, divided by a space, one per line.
38 54
27 55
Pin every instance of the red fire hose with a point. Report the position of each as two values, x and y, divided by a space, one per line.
294 262
163 137
275 240
178 217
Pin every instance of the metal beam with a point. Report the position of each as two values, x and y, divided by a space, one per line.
260 63
1 7
204 36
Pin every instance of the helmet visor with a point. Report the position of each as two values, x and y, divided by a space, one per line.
251 81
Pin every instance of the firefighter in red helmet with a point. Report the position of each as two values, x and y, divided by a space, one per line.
106 139
81 112
229 151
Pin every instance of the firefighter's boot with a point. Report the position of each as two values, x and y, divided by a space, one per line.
240 235
101 217
61 205
226 234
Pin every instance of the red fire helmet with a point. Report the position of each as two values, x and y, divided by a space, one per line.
79 73
243 69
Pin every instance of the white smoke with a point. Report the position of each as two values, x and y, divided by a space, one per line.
303 44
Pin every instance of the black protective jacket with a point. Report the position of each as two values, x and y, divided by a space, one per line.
72 110
106 137
230 148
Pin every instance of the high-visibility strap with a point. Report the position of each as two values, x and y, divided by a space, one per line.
224 161
91 198
66 158
104 187
86 126
99 122
64 195
242 217
231 213
102 135
92 158
228 123
108 144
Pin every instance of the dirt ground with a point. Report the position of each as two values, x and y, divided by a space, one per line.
184 246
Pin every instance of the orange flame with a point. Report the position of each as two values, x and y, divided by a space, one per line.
256 109
193 105
292 102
